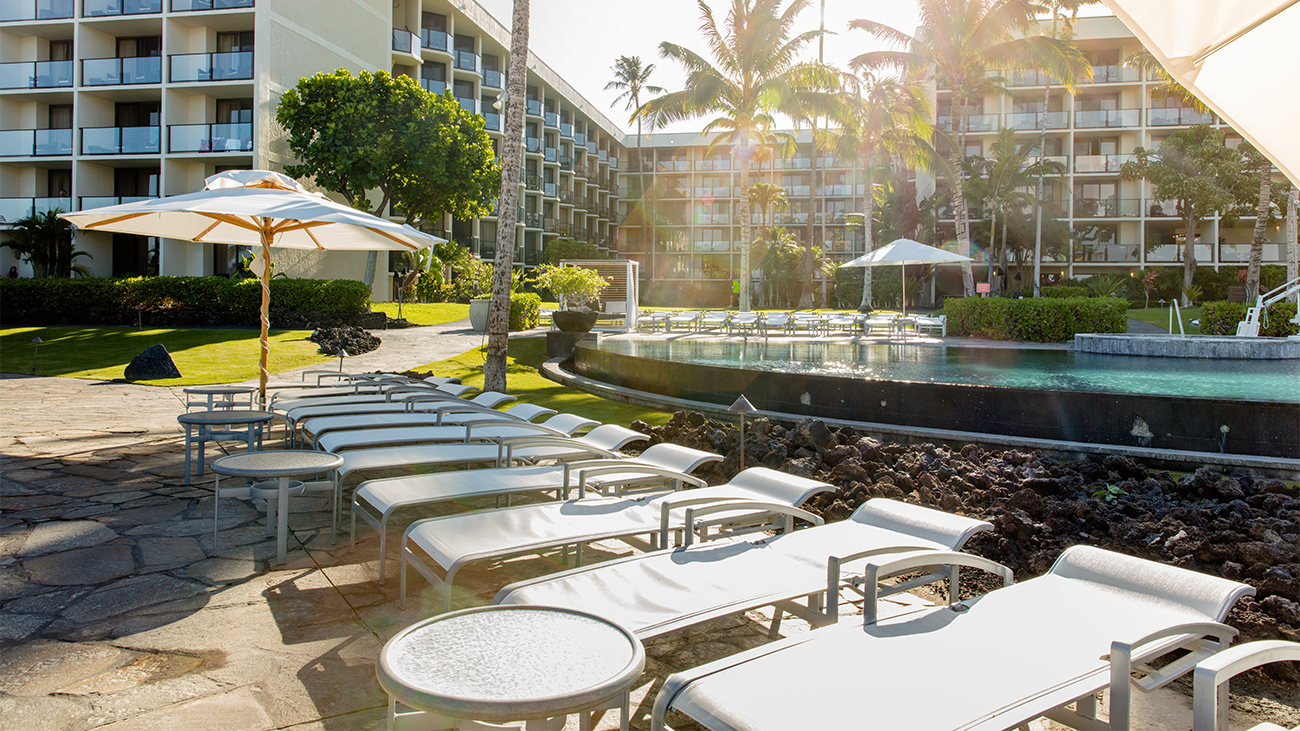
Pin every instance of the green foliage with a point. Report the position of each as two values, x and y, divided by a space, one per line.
470 279
570 285
44 241
1191 293
428 288
1107 285
1062 292
1221 318
215 294
423 152
1110 493
525 310
558 250
1041 320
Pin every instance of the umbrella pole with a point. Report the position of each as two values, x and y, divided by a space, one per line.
266 308
904 289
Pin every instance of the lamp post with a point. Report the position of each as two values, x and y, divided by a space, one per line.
742 407
37 340
341 355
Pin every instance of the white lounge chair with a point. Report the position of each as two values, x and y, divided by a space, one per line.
848 321
745 322
485 430
435 416
654 593
652 321
775 323
937 325
997 661
879 323
454 541
1210 681
810 322
713 320
376 500
684 320
398 402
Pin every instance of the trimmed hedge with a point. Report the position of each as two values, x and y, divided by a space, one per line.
213 294
1064 292
1042 320
525 310
1221 318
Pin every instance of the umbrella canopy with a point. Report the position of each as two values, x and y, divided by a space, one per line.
903 252
255 207
1234 56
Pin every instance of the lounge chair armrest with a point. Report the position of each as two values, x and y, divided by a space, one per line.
388 395
835 570
753 508
541 429
1209 709
672 503
650 470
443 408
508 445
1122 658
874 572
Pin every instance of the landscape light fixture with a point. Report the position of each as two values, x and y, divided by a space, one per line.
139 317
742 407
37 340
341 355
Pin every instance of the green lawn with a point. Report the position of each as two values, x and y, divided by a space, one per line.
433 313
203 356
1159 316
524 381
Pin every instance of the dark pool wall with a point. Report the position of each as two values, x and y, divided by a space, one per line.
1263 428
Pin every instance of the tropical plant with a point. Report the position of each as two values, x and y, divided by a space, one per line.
756 74
44 241
571 285
1107 285
557 250
769 199
964 40
1190 293
632 78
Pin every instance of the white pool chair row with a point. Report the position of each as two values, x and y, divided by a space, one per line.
415 415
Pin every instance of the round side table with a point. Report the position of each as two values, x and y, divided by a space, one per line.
207 423
511 663
280 465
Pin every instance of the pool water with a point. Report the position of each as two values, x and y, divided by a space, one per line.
1056 369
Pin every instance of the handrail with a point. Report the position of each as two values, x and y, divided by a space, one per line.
1174 309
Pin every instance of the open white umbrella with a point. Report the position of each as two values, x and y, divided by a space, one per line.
255 207
903 252
1237 56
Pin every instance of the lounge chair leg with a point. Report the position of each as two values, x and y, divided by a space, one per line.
216 509
775 630
383 543
401 570
1086 706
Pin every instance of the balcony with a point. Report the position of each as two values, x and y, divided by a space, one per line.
717 165
469 105
580 139
566 130
613 163
492 121
533 107
1029 78
120 140
466 61
101 8
1033 120
973 122
591 146
231 66
566 162
1175 117
796 191
36 75
1107 207
579 169
35 10
533 145
1162 209
711 219
493 79
404 41
100 201
433 86
551 119
551 154
839 190
1107 118
1114 74
12 209
183 6
434 40
121 71
1100 163
714 191
532 182
550 190
35 142
210 137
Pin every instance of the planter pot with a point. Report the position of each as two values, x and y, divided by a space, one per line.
575 322
478 314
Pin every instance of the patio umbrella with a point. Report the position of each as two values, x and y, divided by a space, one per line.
903 252
1234 57
255 207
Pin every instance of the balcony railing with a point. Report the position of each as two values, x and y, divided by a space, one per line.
532 182
792 163
533 107
533 144
715 191
433 86
550 190
182 6
120 140
121 71
435 40
973 122
99 8
1029 78
796 191
551 119
12 209
404 41
466 61
580 139
1107 207
1176 116
1114 74
229 66
1107 118
566 129
713 219
100 201
35 75
469 105
1099 163
35 142
35 9
210 137
838 190
707 165
1161 209
591 146
492 121
566 162
493 78
1033 120
551 154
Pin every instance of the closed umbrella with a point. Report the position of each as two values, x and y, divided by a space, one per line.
255 207
903 252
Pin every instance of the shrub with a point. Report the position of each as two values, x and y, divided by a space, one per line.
214 294
1221 318
1062 292
470 279
525 310
557 250
1043 320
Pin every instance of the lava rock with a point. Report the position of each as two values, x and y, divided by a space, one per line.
154 363
352 339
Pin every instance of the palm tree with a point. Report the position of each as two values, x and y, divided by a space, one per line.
756 74
769 199
44 241
633 79
964 39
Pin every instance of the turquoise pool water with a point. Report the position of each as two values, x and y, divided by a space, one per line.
1263 380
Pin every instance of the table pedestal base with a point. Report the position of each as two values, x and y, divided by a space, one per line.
427 721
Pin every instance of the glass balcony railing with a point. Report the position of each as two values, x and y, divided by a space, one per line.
837 190
532 182
591 146
1033 120
793 163
533 107
120 140
100 201
121 71
12 209
1114 74
467 61
184 6
1176 116
35 9
231 66
550 154
1100 163
714 191
434 40
98 8
579 139
1161 209
797 191
1107 118
973 122
551 119
35 142
493 78
433 85
404 41
550 190
469 105
492 121
210 137
533 144
1029 78
718 165
35 75
566 129
1107 207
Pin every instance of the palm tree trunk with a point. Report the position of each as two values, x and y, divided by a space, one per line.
745 230
494 366
805 297
868 210
959 194
1191 223
1260 236
1002 257
645 212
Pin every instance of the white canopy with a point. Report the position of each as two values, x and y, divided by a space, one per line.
1239 57
905 251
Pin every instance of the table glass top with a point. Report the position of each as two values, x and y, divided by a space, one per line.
224 416
286 462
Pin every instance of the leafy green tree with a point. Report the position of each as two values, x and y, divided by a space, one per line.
1193 168
44 241
632 78
423 153
557 250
